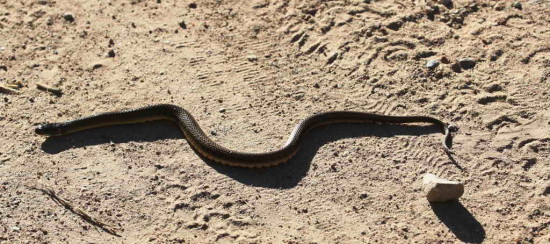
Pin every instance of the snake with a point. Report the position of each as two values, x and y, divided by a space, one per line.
213 151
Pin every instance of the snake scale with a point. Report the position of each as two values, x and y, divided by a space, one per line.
217 153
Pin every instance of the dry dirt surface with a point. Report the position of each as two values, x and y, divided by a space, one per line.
249 71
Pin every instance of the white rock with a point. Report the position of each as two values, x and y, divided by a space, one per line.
441 190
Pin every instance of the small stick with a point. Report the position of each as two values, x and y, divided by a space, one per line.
76 211
53 90
7 90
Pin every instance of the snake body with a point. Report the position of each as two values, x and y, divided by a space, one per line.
217 153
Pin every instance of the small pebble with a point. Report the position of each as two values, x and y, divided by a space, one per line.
456 67
192 5
96 66
441 190
299 96
182 24
431 64
494 87
222 110
517 5
252 58
68 17
111 53
395 25
467 63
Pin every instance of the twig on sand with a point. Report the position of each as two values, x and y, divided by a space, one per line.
7 90
53 90
85 216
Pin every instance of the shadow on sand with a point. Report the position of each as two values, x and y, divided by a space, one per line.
144 132
460 221
286 175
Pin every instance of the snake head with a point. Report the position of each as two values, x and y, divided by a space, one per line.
50 129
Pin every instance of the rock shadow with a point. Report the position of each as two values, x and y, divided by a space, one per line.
460 221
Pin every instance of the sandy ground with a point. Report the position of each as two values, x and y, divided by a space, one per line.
249 71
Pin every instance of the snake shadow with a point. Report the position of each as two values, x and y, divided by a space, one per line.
284 176
289 174
142 132
460 221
